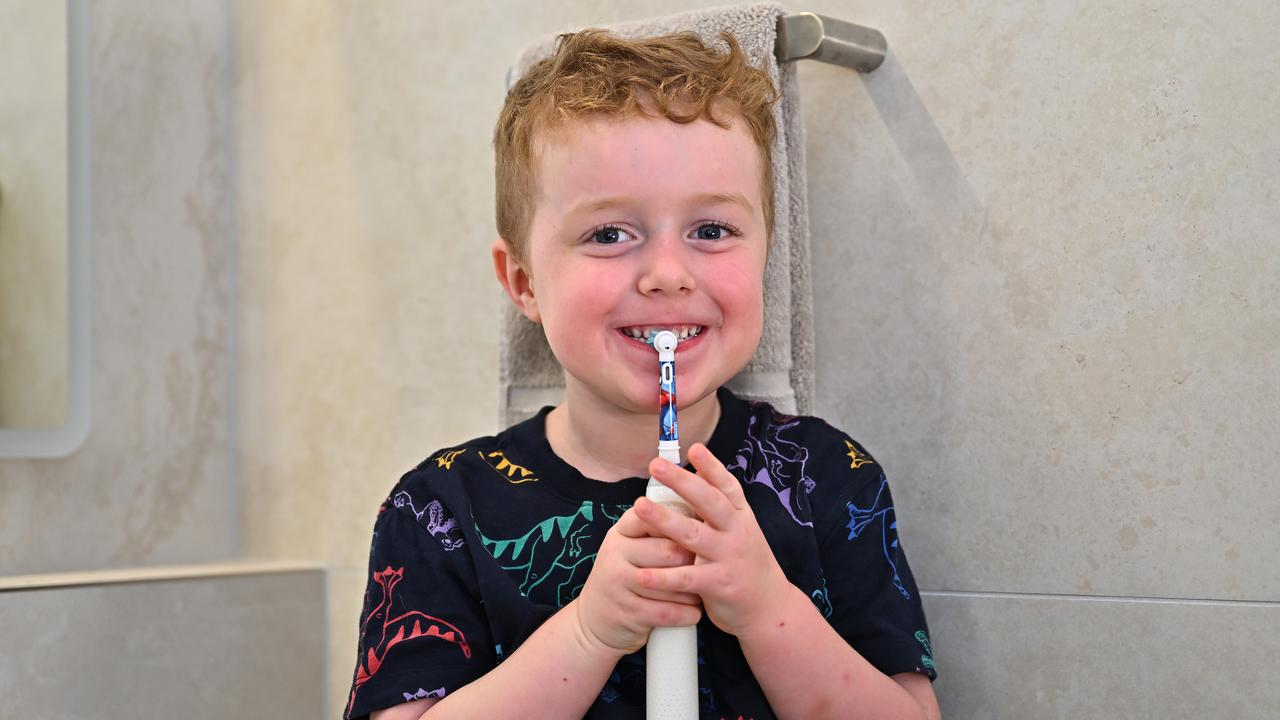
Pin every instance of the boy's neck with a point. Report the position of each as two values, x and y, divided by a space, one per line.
606 443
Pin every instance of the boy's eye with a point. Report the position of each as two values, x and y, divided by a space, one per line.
715 231
608 235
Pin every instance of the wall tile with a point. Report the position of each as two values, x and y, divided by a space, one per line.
1063 657
209 648
1046 303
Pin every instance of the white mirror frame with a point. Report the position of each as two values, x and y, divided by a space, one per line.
62 441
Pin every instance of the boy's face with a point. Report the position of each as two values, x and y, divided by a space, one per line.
627 235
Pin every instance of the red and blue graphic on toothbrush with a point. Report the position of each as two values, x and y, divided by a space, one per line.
667 428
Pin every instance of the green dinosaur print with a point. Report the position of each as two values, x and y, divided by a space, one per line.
550 553
927 658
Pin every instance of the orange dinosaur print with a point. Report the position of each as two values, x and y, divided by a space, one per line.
446 458
858 457
508 469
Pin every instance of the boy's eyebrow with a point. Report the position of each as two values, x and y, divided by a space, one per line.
590 206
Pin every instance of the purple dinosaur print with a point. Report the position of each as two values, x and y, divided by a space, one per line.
770 460
423 693
444 528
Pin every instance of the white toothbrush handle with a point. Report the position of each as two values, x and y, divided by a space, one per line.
671 656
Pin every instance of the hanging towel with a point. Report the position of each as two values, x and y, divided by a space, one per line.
781 372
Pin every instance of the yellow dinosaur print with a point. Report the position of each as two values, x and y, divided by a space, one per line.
858 457
446 458
508 469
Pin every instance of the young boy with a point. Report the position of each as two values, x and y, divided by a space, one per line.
519 575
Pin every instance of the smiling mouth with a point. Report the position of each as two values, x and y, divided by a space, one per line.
643 332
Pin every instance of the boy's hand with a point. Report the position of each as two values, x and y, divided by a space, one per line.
614 609
735 572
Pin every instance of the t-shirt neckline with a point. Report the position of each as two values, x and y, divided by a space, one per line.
529 439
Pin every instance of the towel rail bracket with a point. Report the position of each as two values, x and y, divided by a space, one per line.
817 37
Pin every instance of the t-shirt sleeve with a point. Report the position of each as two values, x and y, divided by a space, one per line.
870 596
422 628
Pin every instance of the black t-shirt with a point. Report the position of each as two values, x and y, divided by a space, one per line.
481 543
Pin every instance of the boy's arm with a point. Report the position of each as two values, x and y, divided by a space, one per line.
798 648
556 673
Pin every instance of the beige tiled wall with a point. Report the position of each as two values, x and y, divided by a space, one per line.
1028 656
153 482
205 648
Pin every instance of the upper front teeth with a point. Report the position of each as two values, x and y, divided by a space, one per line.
684 332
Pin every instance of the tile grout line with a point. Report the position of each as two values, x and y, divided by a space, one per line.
1099 598
152 574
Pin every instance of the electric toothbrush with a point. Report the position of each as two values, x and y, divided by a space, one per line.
671 656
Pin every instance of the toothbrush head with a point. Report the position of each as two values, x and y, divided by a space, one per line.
662 340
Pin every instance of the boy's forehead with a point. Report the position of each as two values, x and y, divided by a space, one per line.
615 148
567 128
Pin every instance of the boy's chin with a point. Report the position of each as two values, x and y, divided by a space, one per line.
687 395
636 400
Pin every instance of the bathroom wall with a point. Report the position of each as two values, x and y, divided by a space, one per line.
152 484
237 642
115 601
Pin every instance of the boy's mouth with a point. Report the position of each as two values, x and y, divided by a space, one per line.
643 332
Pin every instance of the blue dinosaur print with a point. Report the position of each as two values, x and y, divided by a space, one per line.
879 510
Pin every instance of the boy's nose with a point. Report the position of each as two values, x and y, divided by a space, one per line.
666 270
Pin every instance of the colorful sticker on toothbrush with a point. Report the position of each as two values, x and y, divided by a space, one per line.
665 342
667 427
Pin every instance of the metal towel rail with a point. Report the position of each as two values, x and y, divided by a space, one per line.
817 37
812 36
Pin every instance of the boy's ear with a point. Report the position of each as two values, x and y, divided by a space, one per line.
515 279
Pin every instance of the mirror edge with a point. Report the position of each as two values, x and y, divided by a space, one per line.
64 440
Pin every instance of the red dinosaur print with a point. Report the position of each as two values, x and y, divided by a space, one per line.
395 630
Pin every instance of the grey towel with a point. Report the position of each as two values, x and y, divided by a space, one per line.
781 372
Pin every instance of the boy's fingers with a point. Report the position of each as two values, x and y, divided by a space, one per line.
706 501
710 467
658 552
632 526
674 615
669 596
684 579
694 535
